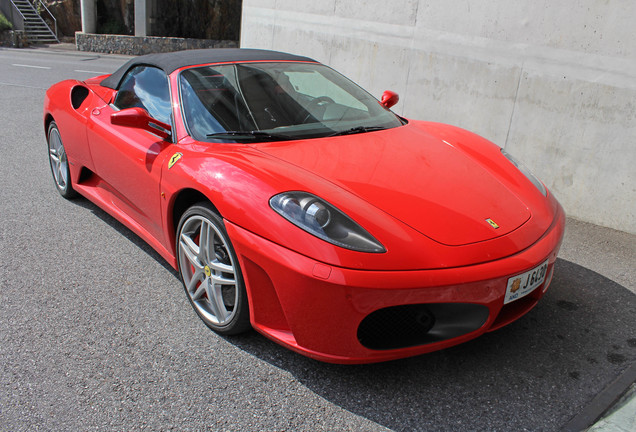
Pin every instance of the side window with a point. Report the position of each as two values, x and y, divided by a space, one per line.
145 87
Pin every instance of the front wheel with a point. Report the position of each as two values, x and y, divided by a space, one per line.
59 162
210 271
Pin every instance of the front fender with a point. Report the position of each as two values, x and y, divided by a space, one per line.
240 180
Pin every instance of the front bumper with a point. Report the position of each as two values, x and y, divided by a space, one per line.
317 309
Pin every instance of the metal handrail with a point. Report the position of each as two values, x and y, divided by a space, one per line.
16 8
50 14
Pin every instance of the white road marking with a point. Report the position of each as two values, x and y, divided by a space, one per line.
21 85
91 72
30 66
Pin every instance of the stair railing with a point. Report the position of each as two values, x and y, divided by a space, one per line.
37 3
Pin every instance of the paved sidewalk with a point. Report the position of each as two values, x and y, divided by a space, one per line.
606 251
612 254
621 418
69 49
57 47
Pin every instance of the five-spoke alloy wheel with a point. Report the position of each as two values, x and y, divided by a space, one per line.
59 162
210 271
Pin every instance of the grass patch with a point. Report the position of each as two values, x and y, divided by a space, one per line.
4 23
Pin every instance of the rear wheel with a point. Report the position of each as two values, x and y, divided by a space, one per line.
59 162
210 271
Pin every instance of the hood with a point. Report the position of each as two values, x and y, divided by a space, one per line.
425 182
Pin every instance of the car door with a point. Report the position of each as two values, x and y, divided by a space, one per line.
128 159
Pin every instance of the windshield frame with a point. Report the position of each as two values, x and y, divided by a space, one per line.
355 128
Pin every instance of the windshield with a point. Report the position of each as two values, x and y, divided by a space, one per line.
272 101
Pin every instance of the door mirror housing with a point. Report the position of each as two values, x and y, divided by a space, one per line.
389 99
139 118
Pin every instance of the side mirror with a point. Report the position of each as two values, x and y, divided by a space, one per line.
389 99
139 118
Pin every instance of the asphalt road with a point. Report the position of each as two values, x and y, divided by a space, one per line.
97 334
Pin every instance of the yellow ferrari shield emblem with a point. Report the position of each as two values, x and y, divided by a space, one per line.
174 159
492 223
207 271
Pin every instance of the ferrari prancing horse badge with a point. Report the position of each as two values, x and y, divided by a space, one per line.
490 221
174 159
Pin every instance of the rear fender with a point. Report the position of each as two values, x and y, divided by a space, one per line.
70 103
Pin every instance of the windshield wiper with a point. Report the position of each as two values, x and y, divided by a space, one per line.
249 135
357 130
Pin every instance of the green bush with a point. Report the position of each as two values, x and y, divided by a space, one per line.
4 23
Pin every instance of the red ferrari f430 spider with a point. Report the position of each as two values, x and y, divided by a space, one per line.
293 202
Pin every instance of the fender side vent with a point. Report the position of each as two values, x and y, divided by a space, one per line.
78 95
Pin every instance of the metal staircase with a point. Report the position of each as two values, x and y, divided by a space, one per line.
36 29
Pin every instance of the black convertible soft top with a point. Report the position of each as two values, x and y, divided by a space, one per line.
169 62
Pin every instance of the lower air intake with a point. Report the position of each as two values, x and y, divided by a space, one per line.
411 325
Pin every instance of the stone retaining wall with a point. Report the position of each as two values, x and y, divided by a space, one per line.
138 45
14 39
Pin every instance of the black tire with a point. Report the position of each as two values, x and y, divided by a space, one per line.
58 161
221 306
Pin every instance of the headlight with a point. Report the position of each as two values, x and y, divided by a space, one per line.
521 167
323 220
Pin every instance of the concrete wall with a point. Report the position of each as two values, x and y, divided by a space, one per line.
552 82
12 14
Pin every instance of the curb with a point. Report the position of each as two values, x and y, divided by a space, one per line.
602 402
